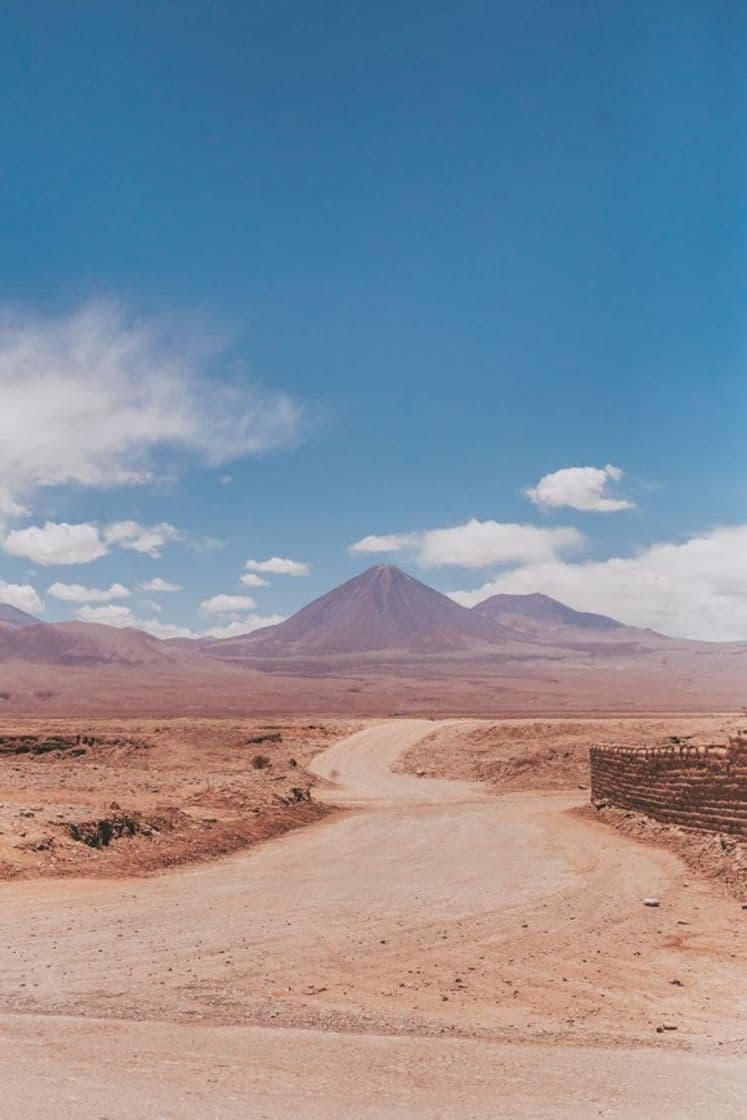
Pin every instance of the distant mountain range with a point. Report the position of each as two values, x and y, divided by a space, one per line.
539 614
382 641
11 616
382 611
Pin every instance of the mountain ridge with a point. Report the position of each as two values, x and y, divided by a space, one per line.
15 617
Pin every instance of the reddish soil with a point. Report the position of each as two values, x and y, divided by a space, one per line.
127 797
535 754
435 951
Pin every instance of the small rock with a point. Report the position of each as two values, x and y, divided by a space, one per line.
650 902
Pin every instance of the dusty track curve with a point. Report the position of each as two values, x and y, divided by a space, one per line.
436 952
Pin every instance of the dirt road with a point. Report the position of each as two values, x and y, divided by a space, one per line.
436 952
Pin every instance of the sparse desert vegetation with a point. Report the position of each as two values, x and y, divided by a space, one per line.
124 797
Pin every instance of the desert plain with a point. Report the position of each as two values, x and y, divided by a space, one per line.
379 917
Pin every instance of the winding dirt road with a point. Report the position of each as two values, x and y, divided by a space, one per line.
434 952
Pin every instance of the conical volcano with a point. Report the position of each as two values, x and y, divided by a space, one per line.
383 609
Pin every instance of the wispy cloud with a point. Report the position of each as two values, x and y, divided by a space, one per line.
251 579
77 593
227 604
146 539
388 542
102 398
120 616
159 585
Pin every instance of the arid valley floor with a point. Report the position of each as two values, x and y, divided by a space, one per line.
384 918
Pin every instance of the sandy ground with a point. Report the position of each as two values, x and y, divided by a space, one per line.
514 755
438 952
552 683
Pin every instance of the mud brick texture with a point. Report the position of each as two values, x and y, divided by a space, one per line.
701 787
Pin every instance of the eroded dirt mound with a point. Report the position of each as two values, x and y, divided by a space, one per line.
526 754
130 797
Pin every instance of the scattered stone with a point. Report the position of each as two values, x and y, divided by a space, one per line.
650 902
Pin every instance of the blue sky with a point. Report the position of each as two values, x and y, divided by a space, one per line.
286 276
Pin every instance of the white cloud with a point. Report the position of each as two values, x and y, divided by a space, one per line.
22 596
164 630
100 398
77 593
145 539
9 508
478 544
159 585
251 579
243 626
582 488
111 615
151 605
389 542
227 604
120 616
279 566
695 588
56 543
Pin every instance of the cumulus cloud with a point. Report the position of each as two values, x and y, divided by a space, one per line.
101 398
477 544
227 604
582 488
279 566
148 540
56 543
22 596
112 615
159 585
691 589
251 579
77 593
61 543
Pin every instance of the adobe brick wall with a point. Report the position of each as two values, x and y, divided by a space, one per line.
703 787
